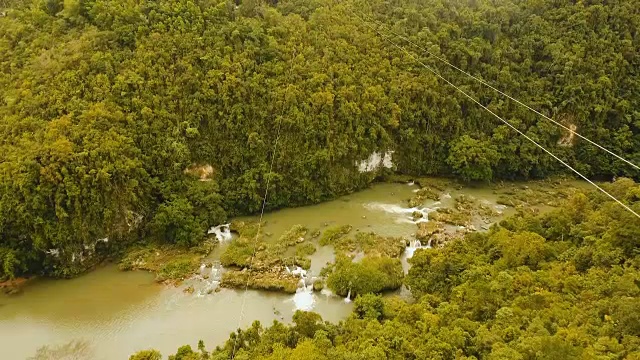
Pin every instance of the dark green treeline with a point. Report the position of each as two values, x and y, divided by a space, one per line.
111 110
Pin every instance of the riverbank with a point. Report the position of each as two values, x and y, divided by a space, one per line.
171 264
120 312
449 213
442 210
14 286
531 281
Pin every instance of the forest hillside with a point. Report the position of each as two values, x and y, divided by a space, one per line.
124 119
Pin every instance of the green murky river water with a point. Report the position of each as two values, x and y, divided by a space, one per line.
117 313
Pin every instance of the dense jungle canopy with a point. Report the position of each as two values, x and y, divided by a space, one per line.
113 111
560 285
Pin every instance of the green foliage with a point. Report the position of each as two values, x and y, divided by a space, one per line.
521 249
293 236
107 106
170 263
305 249
307 323
146 355
369 307
8 262
184 220
473 160
439 270
239 252
266 254
186 353
261 264
558 285
422 195
370 275
368 243
261 279
174 222
318 285
177 269
333 234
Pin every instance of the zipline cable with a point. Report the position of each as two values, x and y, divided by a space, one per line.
255 242
264 202
500 91
498 117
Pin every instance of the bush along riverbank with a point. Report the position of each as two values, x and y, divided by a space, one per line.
561 284
265 262
365 262
171 264
118 123
451 211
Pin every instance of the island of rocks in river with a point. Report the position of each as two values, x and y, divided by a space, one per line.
242 255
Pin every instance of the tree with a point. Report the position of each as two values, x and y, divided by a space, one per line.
106 106
307 323
146 355
513 292
472 159
369 306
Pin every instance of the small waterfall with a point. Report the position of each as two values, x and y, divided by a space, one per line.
409 251
216 271
222 232
348 298
417 221
390 208
411 183
299 271
304 299
406 214
209 281
414 245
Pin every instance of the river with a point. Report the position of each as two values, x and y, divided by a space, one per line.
118 313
